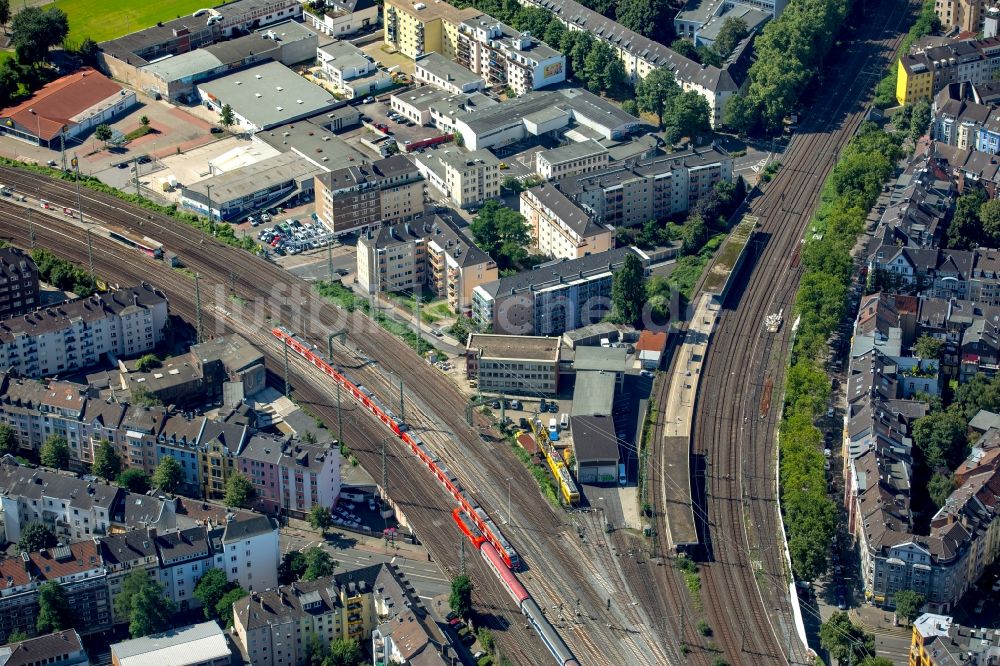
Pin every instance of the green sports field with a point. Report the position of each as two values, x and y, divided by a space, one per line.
102 20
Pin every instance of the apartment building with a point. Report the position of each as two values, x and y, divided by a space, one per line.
962 15
341 18
218 446
418 28
972 275
627 194
513 364
352 71
74 508
937 640
124 553
362 197
431 253
78 570
505 57
572 159
77 334
62 648
18 283
925 71
560 228
468 179
551 299
291 477
447 75
958 122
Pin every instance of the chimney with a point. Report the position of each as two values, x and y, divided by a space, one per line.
151 533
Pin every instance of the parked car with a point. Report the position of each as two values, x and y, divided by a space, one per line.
515 404
841 600
496 404
368 100
216 130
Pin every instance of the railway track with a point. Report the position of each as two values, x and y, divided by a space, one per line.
745 576
558 566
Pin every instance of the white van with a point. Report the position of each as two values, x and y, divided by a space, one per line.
553 426
564 421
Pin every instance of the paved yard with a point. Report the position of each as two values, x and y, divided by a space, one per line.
388 57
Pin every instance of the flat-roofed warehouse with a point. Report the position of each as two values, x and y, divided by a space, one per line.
266 96
595 448
267 183
517 364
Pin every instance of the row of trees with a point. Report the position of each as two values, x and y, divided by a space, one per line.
63 274
682 113
790 51
851 189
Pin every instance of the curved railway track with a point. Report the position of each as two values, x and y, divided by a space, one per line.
745 577
559 567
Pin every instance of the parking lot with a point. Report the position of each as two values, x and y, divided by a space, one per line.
404 132
293 236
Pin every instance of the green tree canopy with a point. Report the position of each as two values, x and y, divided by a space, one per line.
54 613
908 605
733 31
501 233
143 602
107 462
168 475
320 518
844 641
35 30
55 453
989 216
319 564
210 589
224 607
876 661
685 48
929 347
627 291
103 133
4 20
965 231
292 567
134 480
655 93
344 652
645 17
239 491
461 596
226 116
688 115
8 440
941 438
148 362
36 536
940 488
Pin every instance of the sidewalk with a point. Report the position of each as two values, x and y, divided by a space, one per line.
370 544
877 621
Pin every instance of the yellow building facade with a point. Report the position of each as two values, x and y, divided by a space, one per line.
418 28
914 80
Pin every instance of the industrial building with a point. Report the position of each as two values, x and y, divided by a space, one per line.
66 109
572 159
240 192
595 449
175 77
265 96
195 645
447 75
513 364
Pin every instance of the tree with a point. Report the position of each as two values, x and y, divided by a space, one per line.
55 453
928 347
461 596
694 233
226 117
239 491
641 16
502 233
989 216
656 92
4 14
8 441
17 636
103 134
319 564
34 31
940 488
685 48
689 114
143 398
920 120
292 567
964 230
344 652
134 480
88 50
320 518
144 121
627 291
168 475
143 602
876 661
36 536
148 362
54 613
309 437
107 462
908 604
210 589
844 641
941 438
224 607
630 107
733 31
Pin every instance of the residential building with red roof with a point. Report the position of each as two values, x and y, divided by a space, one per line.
649 348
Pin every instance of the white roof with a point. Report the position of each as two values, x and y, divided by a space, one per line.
178 647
